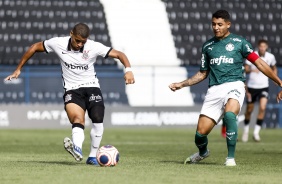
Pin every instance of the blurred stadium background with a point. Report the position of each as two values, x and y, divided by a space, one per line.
162 39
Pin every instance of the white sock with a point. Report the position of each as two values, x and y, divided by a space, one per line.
96 135
257 129
246 129
78 136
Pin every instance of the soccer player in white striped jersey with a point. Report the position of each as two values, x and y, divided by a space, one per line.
257 89
77 56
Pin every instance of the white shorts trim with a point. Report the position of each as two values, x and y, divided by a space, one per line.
217 96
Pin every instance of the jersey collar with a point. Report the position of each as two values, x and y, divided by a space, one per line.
69 47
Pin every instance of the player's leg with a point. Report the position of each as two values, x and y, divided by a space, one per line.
205 125
248 113
232 109
233 104
260 117
75 109
96 111
76 116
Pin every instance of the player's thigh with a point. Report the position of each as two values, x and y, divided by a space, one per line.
235 97
205 125
95 105
74 101
75 113
263 103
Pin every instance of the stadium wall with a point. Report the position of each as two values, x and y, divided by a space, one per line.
36 99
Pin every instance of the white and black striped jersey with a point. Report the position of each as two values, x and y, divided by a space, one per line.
77 66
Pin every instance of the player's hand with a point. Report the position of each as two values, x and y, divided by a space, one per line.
14 75
175 86
129 78
279 97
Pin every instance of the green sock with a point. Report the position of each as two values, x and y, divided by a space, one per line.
231 133
201 142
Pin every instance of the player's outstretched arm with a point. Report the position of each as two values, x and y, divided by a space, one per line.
128 76
195 79
267 70
37 47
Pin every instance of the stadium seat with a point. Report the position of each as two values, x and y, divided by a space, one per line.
26 22
251 19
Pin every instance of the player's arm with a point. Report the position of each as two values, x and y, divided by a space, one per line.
274 68
37 47
128 76
195 79
266 70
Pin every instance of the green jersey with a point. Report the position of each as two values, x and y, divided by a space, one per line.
225 59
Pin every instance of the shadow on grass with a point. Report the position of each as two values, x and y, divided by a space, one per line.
54 162
182 162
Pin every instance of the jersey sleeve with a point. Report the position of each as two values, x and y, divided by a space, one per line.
204 61
273 61
247 48
102 50
50 44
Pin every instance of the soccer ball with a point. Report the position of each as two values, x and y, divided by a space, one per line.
107 156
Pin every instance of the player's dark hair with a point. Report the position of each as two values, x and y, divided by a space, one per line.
81 29
221 14
262 41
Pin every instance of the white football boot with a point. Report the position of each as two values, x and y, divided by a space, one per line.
75 151
245 137
230 162
195 158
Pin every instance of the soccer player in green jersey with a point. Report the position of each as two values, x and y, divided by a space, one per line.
222 60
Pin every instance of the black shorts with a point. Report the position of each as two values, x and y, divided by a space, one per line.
257 94
86 97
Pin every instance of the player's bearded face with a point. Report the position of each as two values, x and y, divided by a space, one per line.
220 27
77 42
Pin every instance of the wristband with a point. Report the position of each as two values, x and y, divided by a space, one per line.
128 69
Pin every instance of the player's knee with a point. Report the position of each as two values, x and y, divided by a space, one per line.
97 119
96 114
77 119
229 117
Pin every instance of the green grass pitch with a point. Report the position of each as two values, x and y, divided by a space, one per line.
151 156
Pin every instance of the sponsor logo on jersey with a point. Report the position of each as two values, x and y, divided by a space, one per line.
85 55
221 59
248 48
203 60
236 40
78 67
97 98
68 97
229 47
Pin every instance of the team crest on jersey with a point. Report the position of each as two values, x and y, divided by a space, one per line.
85 55
67 97
229 47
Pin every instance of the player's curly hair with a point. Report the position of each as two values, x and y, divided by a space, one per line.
221 14
81 29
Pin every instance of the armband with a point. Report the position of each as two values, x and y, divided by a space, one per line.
252 57
128 69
